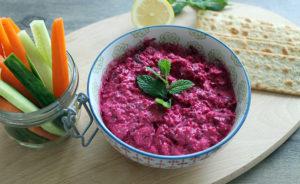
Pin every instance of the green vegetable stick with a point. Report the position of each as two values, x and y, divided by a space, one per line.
42 39
23 134
38 61
29 80
15 98
22 103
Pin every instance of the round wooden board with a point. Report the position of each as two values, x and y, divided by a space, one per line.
272 119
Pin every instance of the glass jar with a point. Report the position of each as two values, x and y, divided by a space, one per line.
44 127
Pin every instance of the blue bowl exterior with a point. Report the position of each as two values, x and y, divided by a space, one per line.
163 161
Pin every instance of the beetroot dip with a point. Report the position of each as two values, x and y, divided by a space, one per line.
199 117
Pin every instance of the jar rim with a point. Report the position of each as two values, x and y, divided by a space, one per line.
38 117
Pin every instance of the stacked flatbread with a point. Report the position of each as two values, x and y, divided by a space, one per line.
270 53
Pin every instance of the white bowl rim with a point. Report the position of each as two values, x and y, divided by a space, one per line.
174 157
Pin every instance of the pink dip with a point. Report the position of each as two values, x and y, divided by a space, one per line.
199 117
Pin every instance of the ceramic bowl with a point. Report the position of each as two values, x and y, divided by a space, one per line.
213 49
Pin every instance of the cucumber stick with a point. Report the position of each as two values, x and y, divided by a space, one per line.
33 69
22 103
16 134
42 39
29 80
15 98
37 60
24 135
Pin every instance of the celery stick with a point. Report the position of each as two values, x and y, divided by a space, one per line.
42 39
22 103
37 60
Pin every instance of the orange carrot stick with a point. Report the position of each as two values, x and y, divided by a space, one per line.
8 76
15 26
1 50
16 44
4 40
41 132
60 72
8 107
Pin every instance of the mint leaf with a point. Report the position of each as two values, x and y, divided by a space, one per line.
198 4
180 85
156 74
165 67
171 1
215 5
151 86
178 6
166 104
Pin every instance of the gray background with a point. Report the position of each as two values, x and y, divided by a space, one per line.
283 166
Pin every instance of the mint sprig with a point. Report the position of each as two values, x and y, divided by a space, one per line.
215 5
153 87
159 87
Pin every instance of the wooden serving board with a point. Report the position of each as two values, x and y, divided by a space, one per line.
272 119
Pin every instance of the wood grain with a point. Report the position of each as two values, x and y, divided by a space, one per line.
271 120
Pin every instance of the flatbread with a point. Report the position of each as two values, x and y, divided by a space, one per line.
291 44
221 28
236 28
269 52
246 22
212 23
261 46
272 72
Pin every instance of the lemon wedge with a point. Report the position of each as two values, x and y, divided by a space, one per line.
151 12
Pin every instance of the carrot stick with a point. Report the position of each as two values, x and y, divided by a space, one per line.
60 72
41 132
8 107
15 26
15 42
4 41
8 77
1 50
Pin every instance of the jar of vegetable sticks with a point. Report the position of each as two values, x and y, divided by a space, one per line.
45 127
40 79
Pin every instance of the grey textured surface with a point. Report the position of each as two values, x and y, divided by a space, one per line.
283 166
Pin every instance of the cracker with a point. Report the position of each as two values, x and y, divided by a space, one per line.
272 72
261 46
236 31
247 22
236 28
